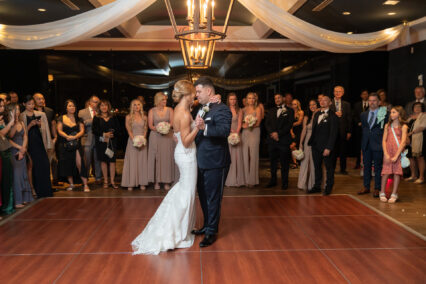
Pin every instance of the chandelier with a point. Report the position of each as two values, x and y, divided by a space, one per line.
197 40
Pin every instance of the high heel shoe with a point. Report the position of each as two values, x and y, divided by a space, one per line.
86 188
382 197
114 186
393 199
70 187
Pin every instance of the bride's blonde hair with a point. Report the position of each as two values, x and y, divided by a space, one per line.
182 88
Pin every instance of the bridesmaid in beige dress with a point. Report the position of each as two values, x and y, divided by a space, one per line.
135 169
250 142
161 146
307 170
236 170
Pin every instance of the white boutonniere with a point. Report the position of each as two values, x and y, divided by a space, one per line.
381 114
206 109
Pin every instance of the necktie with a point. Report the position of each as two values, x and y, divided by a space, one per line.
371 120
93 112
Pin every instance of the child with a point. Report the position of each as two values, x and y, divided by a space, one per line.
394 129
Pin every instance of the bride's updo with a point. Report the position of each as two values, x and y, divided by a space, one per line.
182 88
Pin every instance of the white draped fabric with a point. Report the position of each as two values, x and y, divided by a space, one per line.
76 28
310 35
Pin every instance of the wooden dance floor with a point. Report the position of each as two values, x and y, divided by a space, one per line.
263 239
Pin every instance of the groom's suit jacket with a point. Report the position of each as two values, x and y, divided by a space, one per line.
212 144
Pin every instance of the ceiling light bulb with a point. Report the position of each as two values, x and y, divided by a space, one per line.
391 2
41 10
391 13
349 33
346 13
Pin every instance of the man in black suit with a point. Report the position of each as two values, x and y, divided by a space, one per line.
279 122
213 158
419 94
323 139
342 109
359 108
372 150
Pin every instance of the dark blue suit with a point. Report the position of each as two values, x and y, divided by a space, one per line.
213 160
372 150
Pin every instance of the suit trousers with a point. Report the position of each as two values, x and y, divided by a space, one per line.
210 186
341 151
279 152
88 152
370 156
329 167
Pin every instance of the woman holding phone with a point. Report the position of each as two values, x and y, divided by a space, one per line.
39 141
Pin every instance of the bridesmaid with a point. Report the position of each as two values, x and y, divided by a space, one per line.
236 170
161 146
19 139
7 121
39 141
297 128
135 169
307 170
71 129
250 141
106 127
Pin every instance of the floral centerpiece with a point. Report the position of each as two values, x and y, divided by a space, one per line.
163 127
233 139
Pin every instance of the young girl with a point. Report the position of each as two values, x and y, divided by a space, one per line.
394 129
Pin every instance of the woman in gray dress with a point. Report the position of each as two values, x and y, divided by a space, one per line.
19 140
236 170
161 146
135 169
250 141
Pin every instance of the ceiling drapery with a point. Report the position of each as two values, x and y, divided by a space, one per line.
313 36
73 29
99 20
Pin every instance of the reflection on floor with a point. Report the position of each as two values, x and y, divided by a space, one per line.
263 239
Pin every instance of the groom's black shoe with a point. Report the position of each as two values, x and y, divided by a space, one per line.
207 241
199 232
314 190
271 184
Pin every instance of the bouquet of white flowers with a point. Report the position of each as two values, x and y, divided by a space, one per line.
233 139
139 141
163 127
250 120
298 154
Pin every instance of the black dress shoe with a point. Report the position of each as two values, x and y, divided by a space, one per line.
314 190
326 192
284 186
271 184
207 241
199 232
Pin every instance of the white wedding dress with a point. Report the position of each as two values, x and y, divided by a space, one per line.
171 225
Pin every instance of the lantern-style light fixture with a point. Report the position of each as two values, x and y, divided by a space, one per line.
197 40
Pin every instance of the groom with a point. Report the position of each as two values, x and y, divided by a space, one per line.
213 157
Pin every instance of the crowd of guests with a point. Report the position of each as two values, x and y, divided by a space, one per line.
38 148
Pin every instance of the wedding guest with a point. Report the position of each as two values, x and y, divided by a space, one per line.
359 108
342 110
88 139
260 106
394 142
417 134
288 100
236 170
7 121
323 139
40 105
319 97
14 99
372 124
419 94
307 169
6 98
106 128
383 99
18 138
70 152
278 124
135 169
250 141
39 142
161 146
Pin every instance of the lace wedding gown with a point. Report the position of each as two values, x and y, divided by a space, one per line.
171 225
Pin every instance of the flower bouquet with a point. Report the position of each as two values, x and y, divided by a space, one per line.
233 139
139 141
250 120
163 127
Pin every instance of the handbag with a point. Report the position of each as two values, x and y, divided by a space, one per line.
109 151
405 162
71 145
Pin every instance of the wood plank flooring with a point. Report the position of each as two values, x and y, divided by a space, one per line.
262 239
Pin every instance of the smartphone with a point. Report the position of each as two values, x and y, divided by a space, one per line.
37 117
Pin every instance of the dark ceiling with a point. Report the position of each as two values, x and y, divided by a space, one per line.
366 15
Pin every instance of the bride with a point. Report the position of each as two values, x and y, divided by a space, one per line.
171 225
